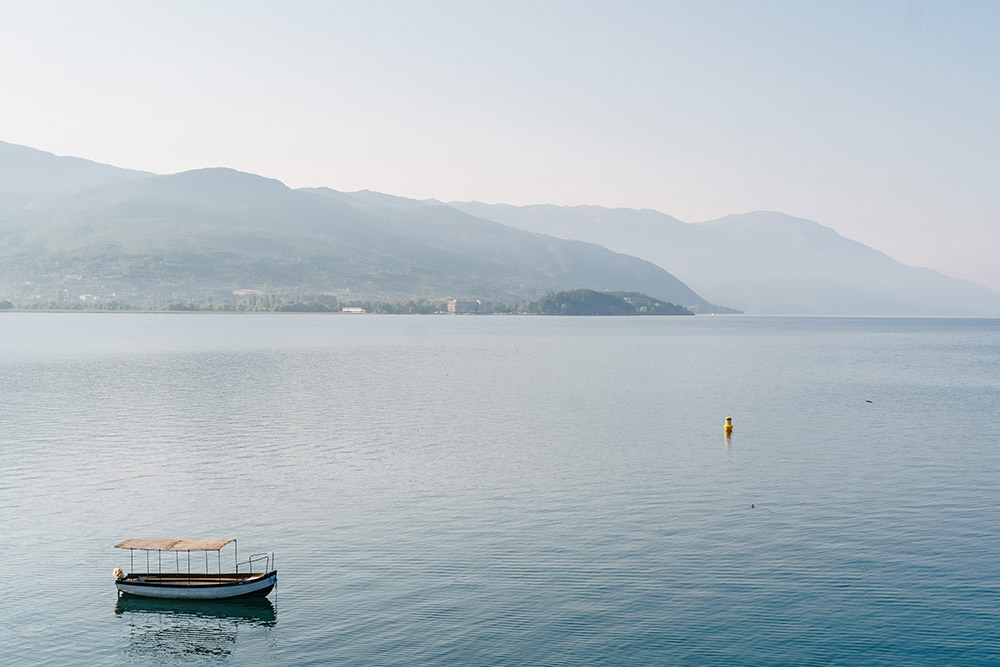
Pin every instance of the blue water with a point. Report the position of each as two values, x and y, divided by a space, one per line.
507 490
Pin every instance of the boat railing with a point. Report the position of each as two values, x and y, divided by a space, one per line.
267 557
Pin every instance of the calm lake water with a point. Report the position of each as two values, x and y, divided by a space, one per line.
507 490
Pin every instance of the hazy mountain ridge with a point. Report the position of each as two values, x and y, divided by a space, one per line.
90 228
70 226
27 174
761 262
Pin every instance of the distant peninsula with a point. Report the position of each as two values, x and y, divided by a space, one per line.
590 302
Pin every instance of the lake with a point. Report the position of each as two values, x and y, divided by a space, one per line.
507 490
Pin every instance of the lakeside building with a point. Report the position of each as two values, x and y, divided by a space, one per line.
477 307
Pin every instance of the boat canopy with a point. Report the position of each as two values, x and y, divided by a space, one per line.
175 545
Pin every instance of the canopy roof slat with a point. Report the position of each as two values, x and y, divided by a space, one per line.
175 544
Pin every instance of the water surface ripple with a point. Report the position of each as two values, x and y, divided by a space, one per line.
507 491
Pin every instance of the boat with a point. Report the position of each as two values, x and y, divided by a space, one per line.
194 585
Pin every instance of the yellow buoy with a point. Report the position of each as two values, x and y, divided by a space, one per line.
729 424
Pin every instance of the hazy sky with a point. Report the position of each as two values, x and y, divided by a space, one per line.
878 118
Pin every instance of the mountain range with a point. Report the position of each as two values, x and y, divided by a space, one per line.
762 262
72 228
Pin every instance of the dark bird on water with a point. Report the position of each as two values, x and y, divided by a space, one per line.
867 401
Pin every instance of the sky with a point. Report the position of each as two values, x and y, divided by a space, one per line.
876 118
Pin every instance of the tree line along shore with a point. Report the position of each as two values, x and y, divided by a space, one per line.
579 302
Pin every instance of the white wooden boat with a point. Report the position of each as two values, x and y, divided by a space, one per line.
194 585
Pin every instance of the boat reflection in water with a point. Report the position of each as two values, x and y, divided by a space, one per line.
158 629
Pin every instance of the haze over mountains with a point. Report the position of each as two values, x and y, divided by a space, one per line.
72 227
761 262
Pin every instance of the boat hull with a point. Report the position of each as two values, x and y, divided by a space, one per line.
190 587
